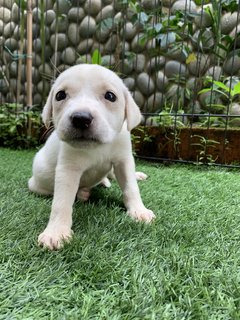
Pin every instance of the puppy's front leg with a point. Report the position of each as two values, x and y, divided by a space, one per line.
60 222
125 174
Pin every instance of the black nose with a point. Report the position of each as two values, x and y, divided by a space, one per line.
81 120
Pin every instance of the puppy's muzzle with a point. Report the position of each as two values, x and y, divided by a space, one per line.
81 120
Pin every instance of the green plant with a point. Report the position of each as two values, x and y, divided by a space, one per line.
223 44
96 58
230 5
19 128
213 122
230 90
204 145
140 135
175 138
223 89
166 30
168 118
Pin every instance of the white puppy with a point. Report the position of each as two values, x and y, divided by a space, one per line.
93 113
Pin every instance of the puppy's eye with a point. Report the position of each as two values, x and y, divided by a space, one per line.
110 96
61 95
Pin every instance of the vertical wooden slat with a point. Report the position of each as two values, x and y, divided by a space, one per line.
29 53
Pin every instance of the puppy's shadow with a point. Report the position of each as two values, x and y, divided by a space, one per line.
103 220
101 200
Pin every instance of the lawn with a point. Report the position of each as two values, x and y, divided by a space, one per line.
186 265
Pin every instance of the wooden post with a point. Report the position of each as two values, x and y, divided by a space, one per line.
29 53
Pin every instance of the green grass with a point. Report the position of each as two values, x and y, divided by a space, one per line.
184 266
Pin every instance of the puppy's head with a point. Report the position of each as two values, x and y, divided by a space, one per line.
89 104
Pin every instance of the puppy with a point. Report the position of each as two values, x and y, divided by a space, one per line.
93 113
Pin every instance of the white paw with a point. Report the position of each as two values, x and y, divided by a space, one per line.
33 186
54 238
106 182
142 214
83 194
141 175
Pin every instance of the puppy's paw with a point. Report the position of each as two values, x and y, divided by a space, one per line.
83 194
142 214
141 175
106 182
54 238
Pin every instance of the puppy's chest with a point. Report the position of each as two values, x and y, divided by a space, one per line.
95 174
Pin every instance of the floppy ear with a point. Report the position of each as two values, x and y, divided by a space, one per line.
133 114
47 110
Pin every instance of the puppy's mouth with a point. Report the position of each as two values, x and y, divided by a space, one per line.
83 136
80 138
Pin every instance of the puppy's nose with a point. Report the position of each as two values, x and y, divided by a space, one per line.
81 120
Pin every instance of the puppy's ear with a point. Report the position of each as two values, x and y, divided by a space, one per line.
133 114
47 110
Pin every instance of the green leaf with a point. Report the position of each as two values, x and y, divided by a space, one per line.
96 57
204 90
236 89
226 94
22 4
221 85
